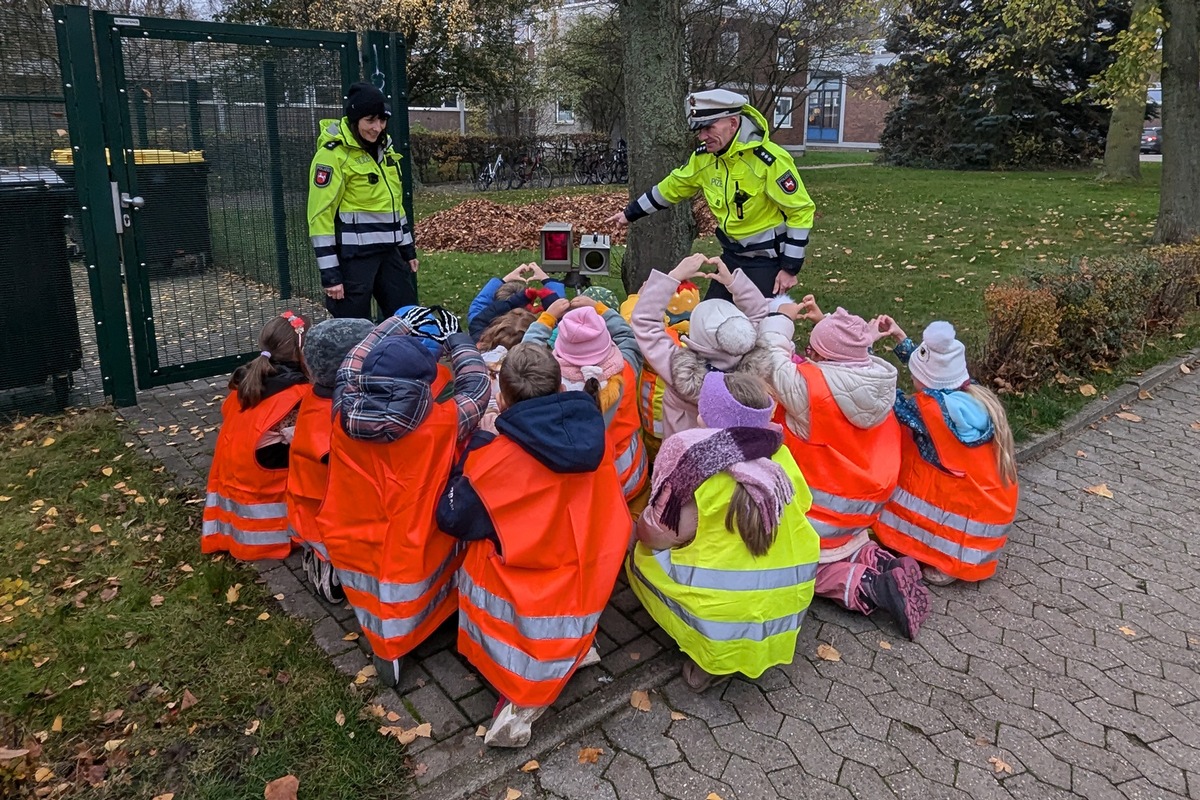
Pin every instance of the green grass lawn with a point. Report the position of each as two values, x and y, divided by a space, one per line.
916 244
112 624
817 158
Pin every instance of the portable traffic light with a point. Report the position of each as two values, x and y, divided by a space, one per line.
594 254
557 246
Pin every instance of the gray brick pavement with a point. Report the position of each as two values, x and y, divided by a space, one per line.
1071 673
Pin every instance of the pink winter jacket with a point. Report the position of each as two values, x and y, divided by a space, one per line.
679 413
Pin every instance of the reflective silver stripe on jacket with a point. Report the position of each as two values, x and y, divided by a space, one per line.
967 555
948 518
395 627
844 505
246 510
375 237
735 580
652 201
722 631
219 527
557 627
514 660
371 217
827 531
391 592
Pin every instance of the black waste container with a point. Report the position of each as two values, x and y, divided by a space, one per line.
39 324
176 236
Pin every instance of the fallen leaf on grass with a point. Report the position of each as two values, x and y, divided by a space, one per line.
364 674
252 728
231 594
43 774
1000 765
639 700
530 766
113 716
407 735
511 793
156 600
677 716
164 796
263 617
1128 631
58 723
113 744
284 788
884 644
49 440
590 755
827 652
110 594
339 718
1129 416
9 754
1087 390
107 472
4 498
1100 489
186 568
188 700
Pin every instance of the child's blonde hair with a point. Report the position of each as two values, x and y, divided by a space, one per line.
506 329
1006 458
530 370
279 341
743 515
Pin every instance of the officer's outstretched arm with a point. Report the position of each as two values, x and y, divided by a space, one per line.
786 190
325 189
681 184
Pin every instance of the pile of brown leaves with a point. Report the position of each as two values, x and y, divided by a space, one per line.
479 225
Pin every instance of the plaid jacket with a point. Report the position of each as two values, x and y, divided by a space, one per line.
379 408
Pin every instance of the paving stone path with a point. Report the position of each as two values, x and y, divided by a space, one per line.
1075 672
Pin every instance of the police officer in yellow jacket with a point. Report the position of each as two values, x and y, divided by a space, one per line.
763 211
361 235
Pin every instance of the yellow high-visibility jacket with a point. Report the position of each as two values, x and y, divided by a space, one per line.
355 202
754 191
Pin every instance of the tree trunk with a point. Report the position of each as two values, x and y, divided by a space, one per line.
1179 207
656 131
1122 148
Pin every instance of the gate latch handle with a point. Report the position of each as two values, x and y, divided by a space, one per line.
132 202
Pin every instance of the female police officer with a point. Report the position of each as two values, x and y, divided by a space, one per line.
361 235
750 183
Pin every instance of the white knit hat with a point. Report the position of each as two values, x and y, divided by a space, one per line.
720 333
941 360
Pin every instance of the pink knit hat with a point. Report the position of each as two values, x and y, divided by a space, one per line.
844 338
582 339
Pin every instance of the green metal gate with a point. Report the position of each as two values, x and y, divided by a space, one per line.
190 150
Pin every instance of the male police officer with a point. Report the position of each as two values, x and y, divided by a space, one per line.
750 183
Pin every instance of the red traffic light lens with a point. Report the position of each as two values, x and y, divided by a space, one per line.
557 247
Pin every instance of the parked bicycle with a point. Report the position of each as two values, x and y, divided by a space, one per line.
497 173
592 166
530 171
618 171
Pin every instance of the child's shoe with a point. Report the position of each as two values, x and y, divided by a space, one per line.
699 680
328 585
388 671
936 577
900 592
591 657
513 725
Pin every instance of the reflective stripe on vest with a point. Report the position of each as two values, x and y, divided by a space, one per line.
723 631
634 455
219 527
844 505
514 659
967 555
396 627
560 627
650 402
390 592
735 580
246 510
949 519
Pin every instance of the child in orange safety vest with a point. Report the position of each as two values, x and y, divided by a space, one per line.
957 493
835 405
541 506
245 512
399 420
324 348
596 352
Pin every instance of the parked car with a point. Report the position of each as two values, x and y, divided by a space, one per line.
1152 140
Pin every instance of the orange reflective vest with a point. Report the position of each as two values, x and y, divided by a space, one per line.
379 530
851 471
308 471
245 512
528 614
956 521
625 432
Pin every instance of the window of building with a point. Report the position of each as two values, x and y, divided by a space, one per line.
565 114
787 54
824 109
783 112
728 48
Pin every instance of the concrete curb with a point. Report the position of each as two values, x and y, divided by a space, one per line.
1110 403
488 765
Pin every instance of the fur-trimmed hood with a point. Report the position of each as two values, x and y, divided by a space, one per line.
689 368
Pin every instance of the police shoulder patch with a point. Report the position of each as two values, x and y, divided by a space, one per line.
787 181
701 150
764 154
333 145
322 175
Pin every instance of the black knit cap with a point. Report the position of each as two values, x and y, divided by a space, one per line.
364 100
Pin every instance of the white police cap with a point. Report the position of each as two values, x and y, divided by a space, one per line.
709 106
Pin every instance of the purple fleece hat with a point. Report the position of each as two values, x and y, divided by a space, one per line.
719 409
